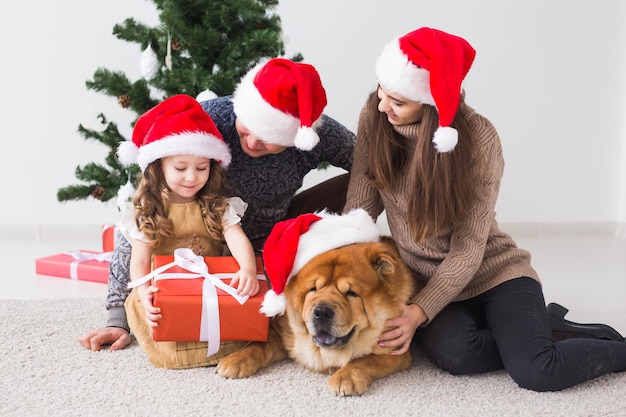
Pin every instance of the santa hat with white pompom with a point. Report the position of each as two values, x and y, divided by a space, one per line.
281 102
294 242
428 66
176 126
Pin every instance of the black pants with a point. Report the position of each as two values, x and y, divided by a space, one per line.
507 328
329 194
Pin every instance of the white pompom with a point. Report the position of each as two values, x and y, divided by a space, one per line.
306 139
205 95
149 64
445 139
273 304
127 153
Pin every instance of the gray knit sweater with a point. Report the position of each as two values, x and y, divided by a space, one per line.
466 259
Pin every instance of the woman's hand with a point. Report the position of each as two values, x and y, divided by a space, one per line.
145 293
402 328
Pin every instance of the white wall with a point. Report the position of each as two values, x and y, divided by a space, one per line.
548 74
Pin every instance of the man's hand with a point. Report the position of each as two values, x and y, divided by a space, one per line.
115 337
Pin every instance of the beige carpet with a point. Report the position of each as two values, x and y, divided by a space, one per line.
45 372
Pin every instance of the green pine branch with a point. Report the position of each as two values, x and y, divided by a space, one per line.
213 43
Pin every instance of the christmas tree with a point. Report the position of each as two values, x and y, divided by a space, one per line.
201 48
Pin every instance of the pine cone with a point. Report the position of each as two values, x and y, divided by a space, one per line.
98 192
176 44
124 101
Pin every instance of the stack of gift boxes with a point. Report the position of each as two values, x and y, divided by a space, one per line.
82 265
188 311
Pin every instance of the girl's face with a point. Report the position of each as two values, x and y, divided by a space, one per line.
185 175
399 110
254 146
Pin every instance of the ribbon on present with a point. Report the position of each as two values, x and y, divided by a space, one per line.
210 320
81 256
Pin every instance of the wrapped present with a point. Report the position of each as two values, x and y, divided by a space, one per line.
109 236
197 303
80 264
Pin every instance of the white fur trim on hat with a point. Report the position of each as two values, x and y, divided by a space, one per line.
445 138
396 74
259 117
334 231
186 143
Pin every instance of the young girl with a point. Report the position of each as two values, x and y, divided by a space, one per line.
435 165
180 203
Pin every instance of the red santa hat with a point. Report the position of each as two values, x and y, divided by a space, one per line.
428 66
176 126
294 242
281 102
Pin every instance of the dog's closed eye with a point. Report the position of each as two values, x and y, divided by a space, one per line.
351 293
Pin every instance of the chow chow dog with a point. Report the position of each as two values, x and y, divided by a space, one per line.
336 308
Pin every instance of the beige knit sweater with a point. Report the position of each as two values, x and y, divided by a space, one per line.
465 260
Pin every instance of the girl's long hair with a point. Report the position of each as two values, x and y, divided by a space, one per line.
444 188
150 212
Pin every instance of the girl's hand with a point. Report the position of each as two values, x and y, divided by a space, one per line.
402 328
146 297
246 282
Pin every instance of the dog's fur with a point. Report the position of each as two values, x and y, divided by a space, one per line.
337 306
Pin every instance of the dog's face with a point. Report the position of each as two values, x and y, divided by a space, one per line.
338 303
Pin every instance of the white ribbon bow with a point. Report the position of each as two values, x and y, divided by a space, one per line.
81 257
210 321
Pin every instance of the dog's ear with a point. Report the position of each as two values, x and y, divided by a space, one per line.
385 257
384 264
386 261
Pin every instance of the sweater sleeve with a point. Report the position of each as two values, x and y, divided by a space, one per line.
337 142
119 277
468 240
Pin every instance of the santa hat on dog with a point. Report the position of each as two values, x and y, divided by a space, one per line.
294 242
176 126
428 66
281 102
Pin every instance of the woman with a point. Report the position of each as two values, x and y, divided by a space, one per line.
435 165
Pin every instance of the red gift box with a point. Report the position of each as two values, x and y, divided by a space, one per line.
184 301
82 265
109 234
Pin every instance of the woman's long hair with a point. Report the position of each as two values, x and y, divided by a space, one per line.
150 212
444 188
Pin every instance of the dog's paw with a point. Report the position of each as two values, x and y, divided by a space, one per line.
237 365
349 381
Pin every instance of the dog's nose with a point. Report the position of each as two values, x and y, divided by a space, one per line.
323 313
